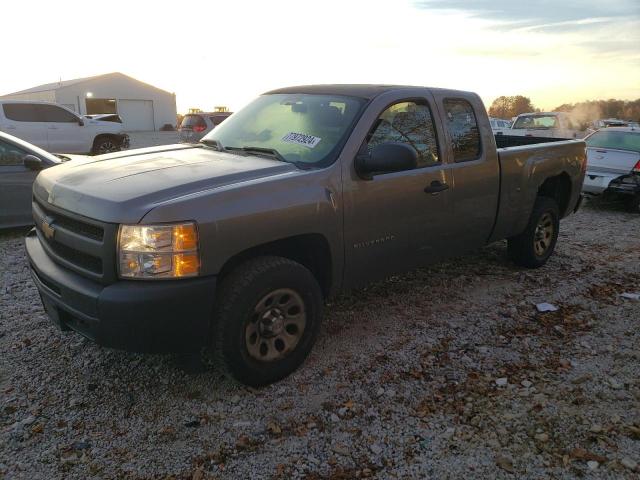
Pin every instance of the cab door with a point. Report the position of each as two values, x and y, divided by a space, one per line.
393 221
16 182
474 167
22 120
65 134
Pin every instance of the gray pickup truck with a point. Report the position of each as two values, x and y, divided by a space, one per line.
232 245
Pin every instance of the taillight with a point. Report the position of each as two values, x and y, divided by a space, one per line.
636 169
199 128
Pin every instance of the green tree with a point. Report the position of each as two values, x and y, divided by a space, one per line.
510 106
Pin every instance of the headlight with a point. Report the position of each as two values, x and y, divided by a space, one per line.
158 251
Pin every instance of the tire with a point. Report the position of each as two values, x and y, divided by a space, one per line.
533 247
105 144
266 320
633 204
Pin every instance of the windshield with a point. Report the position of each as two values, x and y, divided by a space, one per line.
536 121
615 140
303 129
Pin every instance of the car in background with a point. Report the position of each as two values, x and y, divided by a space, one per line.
500 126
544 124
20 163
105 117
55 128
613 165
194 126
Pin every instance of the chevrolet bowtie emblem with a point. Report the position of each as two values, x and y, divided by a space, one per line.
48 229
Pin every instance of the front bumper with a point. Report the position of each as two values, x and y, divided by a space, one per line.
125 141
138 316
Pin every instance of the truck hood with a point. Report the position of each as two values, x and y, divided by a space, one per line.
123 187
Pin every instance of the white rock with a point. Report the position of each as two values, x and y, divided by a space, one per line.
501 382
546 307
542 437
526 383
592 464
629 463
630 296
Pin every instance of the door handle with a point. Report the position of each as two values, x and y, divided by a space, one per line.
11 127
436 187
53 128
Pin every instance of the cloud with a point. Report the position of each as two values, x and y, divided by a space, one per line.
538 12
602 29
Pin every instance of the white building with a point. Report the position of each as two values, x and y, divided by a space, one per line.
141 106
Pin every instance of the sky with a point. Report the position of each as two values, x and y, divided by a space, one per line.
227 52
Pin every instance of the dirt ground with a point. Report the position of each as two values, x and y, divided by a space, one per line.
447 372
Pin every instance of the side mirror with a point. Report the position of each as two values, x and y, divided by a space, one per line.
32 162
386 158
81 122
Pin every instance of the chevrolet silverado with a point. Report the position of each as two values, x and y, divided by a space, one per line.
231 246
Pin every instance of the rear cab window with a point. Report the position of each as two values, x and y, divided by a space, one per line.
464 134
218 119
21 112
190 121
615 140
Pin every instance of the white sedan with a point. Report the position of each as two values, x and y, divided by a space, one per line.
613 164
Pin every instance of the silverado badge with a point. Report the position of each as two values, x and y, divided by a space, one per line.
48 229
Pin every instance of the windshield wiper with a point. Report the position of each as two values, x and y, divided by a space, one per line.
212 143
272 152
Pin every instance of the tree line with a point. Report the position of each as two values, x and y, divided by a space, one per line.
583 112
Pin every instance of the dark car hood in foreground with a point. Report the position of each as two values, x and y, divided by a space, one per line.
122 187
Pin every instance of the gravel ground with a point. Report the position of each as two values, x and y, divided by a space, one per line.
448 372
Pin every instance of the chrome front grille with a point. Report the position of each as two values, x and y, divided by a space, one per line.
84 245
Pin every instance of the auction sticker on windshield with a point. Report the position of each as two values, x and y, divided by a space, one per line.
308 141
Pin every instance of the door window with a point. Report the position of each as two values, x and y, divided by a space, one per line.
463 130
410 123
37 112
10 155
53 113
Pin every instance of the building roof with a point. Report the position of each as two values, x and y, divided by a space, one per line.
47 87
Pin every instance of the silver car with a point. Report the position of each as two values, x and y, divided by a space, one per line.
20 163
613 164
195 126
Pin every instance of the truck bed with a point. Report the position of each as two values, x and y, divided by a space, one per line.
504 141
524 168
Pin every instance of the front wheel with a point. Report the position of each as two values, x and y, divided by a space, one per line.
533 247
266 321
105 144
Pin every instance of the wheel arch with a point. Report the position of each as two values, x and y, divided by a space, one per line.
559 188
310 250
116 138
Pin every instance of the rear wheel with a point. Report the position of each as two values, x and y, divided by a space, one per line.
533 247
266 321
